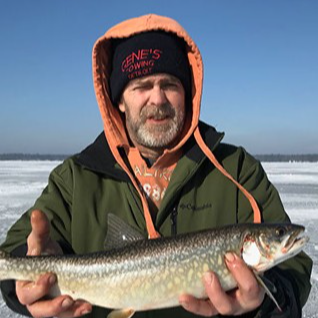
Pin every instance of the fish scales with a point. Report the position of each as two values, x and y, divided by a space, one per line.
146 274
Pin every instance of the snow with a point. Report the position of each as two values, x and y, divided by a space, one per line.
21 182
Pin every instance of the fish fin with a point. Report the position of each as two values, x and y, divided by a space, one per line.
120 233
121 313
4 254
266 284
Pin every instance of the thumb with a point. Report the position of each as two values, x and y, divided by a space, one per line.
40 233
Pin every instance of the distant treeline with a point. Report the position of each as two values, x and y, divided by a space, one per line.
60 157
28 157
287 158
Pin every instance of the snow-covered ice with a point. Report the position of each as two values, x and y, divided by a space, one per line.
22 181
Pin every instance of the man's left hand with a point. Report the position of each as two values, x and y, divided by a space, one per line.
246 297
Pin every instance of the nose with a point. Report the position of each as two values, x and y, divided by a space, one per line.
157 96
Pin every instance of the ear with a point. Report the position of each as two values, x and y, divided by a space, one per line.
121 105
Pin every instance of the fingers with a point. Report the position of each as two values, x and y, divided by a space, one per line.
50 308
247 297
40 233
31 295
197 306
39 240
249 294
242 274
29 292
219 299
77 309
40 224
61 307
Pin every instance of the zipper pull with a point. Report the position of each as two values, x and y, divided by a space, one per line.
173 217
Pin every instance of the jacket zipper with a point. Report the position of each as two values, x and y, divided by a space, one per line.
173 217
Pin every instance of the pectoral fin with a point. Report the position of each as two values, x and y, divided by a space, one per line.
121 313
262 282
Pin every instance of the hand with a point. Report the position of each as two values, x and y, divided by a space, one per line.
247 297
31 294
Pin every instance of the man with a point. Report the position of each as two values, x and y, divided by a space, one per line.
160 170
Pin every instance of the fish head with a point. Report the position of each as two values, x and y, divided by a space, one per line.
266 245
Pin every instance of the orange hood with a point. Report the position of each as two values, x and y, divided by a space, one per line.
113 125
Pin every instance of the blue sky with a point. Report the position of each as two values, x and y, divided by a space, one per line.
260 57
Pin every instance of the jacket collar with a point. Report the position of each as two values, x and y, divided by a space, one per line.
211 137
99 158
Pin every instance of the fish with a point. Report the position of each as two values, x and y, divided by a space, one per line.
136 274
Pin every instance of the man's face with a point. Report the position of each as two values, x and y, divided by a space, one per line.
155 110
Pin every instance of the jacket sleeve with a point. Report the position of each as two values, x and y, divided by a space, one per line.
292 277
56 202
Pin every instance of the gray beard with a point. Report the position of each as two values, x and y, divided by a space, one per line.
156 136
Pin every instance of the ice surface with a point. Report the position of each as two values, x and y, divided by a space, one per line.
22 181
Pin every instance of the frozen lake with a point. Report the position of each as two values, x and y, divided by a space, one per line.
22 181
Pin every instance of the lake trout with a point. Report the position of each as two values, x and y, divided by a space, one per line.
152 274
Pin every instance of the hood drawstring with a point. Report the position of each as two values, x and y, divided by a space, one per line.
210 155
152 233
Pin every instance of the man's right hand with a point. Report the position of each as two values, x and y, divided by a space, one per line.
32 294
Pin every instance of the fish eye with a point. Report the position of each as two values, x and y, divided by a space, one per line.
280 231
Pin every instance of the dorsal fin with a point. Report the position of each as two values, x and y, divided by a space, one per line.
120 233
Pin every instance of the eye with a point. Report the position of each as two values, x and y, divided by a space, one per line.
171 85
141 87
280 231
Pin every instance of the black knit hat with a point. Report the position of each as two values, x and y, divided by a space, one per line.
145 54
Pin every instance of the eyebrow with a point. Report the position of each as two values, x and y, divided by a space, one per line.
163 80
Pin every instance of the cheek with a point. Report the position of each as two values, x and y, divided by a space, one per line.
179 105
176 99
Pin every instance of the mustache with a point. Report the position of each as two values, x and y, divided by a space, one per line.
155 112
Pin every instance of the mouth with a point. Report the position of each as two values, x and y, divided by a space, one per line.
295 242
158 119
157 114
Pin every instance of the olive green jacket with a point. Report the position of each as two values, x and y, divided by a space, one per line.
86 187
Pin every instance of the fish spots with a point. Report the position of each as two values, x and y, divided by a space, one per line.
147 285
205 267
163 288
225 272
220 260
190 275
157 279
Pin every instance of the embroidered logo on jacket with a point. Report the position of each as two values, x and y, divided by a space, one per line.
195 208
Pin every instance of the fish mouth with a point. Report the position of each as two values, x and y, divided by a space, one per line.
295 242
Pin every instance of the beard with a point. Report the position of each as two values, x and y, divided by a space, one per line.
156 135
